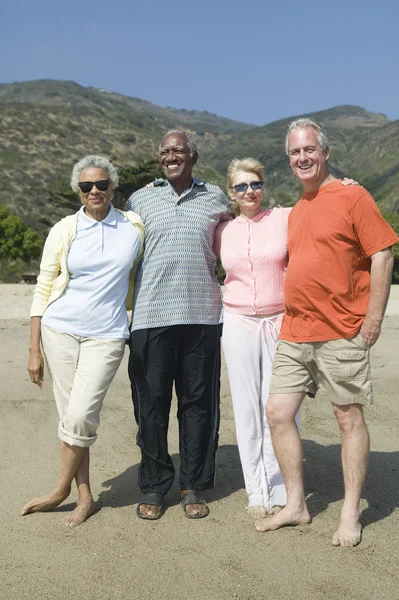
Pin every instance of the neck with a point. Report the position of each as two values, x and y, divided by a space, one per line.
316 186
98 215
250 213
181 186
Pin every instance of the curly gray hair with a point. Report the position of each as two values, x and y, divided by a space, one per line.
96 162
191 143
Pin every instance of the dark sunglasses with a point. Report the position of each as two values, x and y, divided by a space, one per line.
242 187
87 186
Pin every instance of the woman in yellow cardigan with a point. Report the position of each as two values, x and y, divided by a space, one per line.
79 321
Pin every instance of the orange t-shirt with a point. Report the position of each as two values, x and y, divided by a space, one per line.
332 232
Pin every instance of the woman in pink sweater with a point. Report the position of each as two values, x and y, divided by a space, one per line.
253 251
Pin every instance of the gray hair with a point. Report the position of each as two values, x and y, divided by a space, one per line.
307 122
96 162
191 143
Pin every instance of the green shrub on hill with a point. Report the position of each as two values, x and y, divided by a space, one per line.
17 241
393 220
132 179
20 248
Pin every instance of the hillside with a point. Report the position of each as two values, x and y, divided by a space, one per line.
363 145
48 125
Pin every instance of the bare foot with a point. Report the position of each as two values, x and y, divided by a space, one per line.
286 516
82 512
256 512
347 534
274 510
44 503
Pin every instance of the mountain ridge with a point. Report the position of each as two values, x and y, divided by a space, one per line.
48 125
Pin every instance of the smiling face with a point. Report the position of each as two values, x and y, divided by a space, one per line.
249 201
96 202
176 162
307 159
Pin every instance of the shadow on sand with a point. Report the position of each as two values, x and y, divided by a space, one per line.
323 481
124 489
324 484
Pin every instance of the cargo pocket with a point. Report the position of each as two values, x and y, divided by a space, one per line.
349 365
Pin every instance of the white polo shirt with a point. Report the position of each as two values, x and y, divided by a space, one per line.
99 261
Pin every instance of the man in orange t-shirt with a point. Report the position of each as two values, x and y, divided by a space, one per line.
336 290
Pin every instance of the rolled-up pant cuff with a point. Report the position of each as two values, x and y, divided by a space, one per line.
75 440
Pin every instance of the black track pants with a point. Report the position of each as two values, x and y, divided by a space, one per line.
188 355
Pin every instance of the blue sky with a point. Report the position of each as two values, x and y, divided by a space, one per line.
254 61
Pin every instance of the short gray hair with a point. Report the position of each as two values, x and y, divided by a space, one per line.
191 143
310 123
96 162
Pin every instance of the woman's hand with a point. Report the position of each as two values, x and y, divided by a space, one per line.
36 367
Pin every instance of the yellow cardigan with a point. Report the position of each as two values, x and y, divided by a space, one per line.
54 275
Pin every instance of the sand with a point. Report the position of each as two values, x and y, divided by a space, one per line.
116 555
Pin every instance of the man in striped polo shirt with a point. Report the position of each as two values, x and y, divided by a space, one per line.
176 329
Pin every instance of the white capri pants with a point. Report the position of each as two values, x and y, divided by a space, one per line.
249 346
82 370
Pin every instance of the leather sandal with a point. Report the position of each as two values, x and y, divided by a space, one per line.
194 498
155 500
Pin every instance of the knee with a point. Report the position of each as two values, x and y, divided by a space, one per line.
276 414
350 417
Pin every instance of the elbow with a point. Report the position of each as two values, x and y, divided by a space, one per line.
383 258
389 260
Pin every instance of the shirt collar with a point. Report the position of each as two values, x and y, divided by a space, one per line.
188 190
194 182
88 222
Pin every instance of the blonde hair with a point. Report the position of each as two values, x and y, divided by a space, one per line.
248 165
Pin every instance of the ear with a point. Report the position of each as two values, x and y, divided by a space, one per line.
327 153
230 193
194 158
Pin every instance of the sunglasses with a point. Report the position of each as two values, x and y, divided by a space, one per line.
87 186
242 187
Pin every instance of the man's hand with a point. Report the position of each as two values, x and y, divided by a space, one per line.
36 367
370 331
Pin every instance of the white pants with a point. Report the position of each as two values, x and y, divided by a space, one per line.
82 370
249 345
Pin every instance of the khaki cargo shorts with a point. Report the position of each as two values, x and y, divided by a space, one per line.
338 369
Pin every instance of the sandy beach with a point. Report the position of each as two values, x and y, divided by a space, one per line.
115 555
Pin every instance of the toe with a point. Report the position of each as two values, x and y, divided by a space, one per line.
260 525
335 540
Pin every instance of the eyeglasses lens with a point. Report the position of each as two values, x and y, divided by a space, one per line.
242 187
87 186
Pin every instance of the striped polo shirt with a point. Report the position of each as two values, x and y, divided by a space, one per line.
176 282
